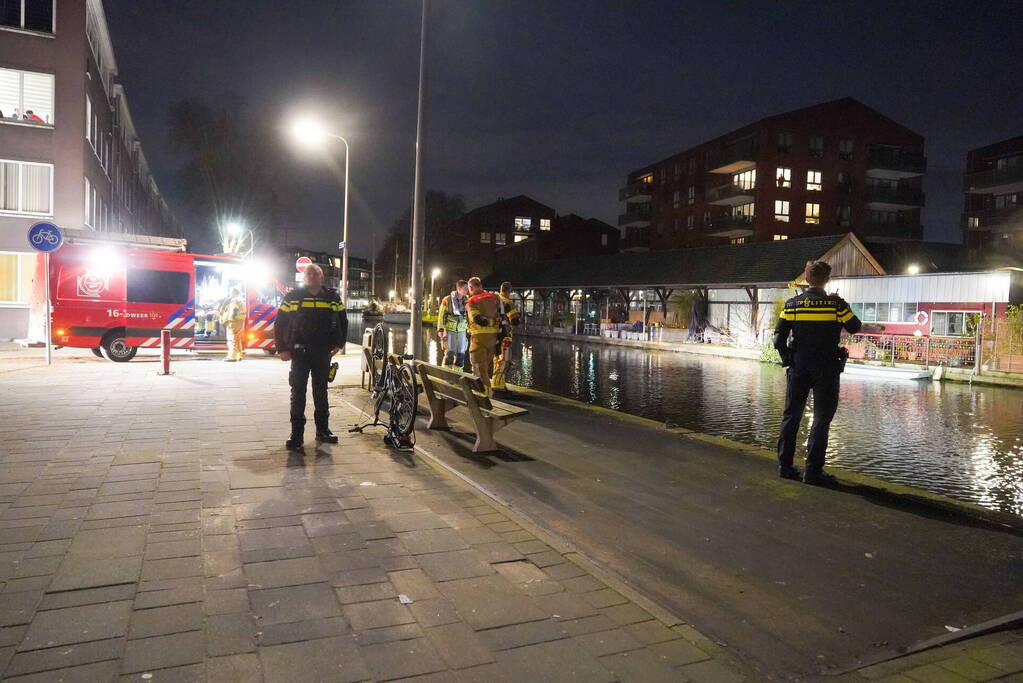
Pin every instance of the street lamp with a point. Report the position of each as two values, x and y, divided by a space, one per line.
235 228
390 296
433 276
913 269
309 132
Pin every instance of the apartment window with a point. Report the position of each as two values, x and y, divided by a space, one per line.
845 148
660 229
844 216
519 238
972 222
706 217
844 182
747 180
88 203
816 147
813 213
747 210
523 224
88 118
664 175
739 240
484 238
676 199
884 217
813 180
690 222
784 177
26 96
603 240
545 224
15 277
954 323
781 211
678 170
779 238
500 239
692 165
677 224
691 195
32 15
785 142
26 188
1006 201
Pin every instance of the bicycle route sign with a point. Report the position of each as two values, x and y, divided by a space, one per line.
45 237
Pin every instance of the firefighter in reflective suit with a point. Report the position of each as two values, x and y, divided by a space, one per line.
509 319
484 312
311 327
813 320
232 317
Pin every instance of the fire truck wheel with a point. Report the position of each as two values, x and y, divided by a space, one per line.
116 350
96 352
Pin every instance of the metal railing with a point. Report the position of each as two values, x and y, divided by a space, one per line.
890 349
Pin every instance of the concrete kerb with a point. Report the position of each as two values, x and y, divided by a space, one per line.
886 489
571 553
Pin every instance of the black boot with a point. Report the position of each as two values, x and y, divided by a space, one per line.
325 436
789 472
295 443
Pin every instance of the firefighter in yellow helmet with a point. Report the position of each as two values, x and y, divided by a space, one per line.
232 316
509 319
484 313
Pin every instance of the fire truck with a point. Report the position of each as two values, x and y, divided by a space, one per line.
115 294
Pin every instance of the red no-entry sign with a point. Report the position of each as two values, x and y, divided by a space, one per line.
302 263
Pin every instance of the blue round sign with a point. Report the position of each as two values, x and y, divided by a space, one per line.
45 237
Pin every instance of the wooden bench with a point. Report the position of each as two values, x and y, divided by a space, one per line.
446 389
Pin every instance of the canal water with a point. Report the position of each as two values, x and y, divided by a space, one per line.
962 441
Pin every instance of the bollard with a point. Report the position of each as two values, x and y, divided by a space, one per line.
165 346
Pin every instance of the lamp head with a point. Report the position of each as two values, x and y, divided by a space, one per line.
234 227
435 273
913 269
307 131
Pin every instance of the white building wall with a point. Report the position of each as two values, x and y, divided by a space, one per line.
937 287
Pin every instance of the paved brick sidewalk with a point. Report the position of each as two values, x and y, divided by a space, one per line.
152 528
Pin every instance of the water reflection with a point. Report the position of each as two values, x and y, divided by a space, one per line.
954 439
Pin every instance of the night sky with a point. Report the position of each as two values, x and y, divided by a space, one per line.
560 100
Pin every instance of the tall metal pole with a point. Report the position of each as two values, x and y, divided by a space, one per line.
344 233
373 269
418 207
49 311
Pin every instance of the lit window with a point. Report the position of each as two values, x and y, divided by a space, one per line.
813 213
785 142
972 222
500 238
33 15
16 277
484 238
676 199
813 180
26 188
519 238
781 210
779 238
845 148
706 217
26 96
954 323
817 146
545 223
738 240
784 177
523 224
691 195
747 180
747 210
88 203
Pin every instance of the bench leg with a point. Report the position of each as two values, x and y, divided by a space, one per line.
438 413
485 436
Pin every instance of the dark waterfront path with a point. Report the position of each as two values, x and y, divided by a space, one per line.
798 580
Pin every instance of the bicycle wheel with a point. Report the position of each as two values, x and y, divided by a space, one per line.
404 400
379 342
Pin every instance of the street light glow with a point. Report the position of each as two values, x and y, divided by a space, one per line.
913 269
435 273
308 131
234 227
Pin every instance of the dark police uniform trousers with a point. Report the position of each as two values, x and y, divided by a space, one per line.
815 321
309 326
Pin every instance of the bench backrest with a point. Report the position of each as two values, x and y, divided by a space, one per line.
458 386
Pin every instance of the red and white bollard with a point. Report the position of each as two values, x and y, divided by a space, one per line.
165 347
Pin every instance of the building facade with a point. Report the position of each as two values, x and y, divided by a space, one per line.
469 246
359 283
69 153
570 236
993 216
831 168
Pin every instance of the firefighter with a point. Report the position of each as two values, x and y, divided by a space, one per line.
509 319
451 325
814 362
311 327
484 311
232 317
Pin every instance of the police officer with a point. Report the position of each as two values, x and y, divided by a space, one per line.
814 320
311 327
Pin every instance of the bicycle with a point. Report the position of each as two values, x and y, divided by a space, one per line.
394 385
47 236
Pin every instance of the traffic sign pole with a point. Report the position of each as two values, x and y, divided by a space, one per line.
46 237
49 310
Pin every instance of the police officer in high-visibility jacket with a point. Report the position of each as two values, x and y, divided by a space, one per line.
311 327
509 320
484 311
814 320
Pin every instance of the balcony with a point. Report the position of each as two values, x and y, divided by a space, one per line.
636 193
995 181
729 226
903 229
635 240
730 195
895 198
635 217
893 163
1008 218
734 158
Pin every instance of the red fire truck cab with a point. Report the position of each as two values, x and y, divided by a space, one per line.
116 294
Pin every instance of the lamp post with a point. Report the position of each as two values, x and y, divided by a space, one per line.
433 276
235 227
418 203
308 132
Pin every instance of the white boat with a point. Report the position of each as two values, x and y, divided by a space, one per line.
886 372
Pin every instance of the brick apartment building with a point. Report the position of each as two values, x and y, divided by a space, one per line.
359 287
993 217
831 168
75 159
570 236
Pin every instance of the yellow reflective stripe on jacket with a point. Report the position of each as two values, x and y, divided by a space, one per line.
800 316
315 303
288 306
844 316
